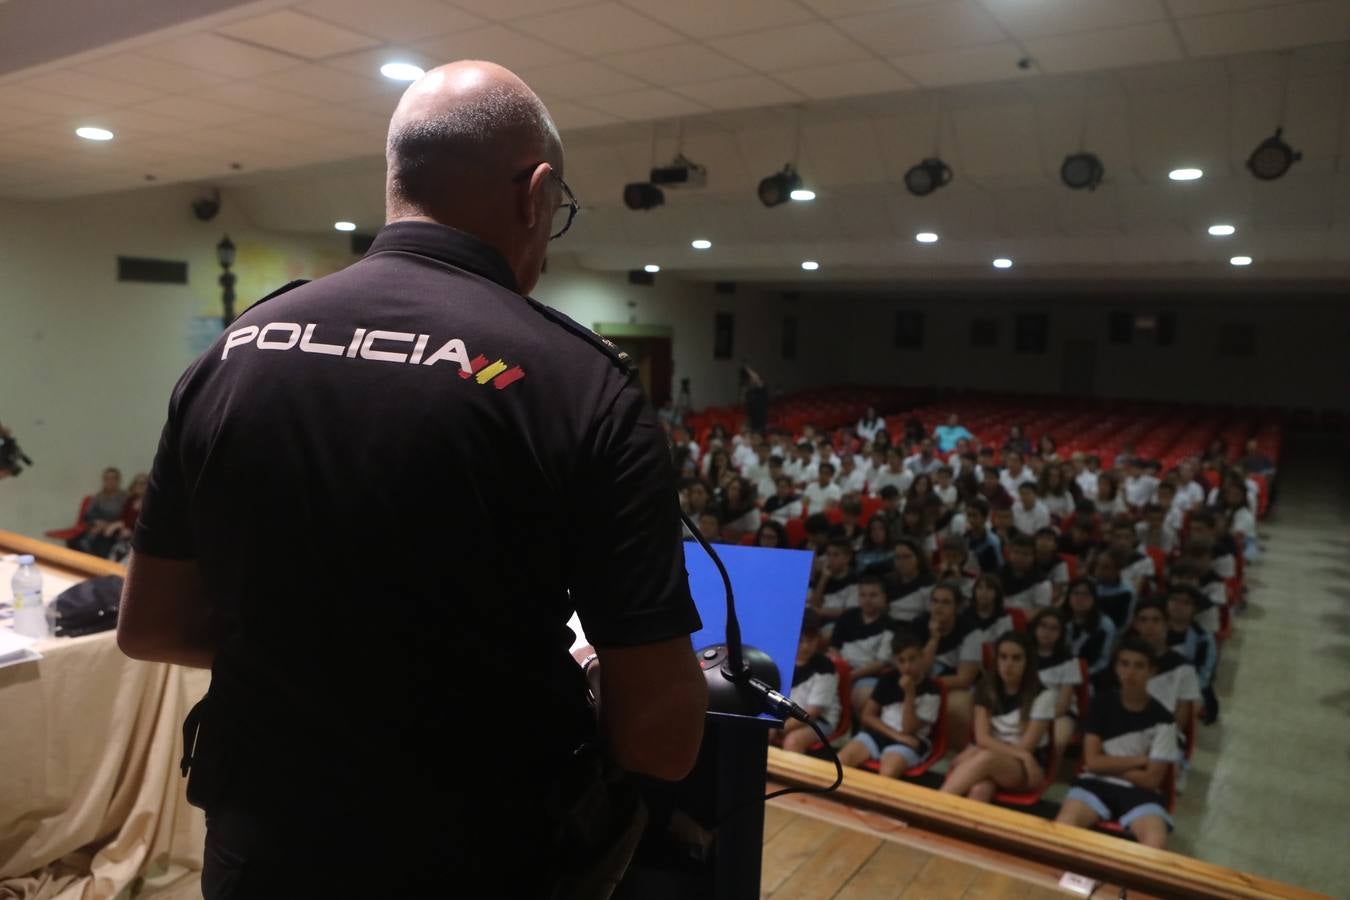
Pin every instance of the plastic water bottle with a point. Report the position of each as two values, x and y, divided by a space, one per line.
30 616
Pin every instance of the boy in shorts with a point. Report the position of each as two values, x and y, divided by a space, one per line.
898 719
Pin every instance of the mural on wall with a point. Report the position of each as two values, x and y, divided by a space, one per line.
260 267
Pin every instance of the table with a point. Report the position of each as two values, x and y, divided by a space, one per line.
90 796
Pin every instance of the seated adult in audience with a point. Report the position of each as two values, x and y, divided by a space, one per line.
898 717
815 686
785 503
877 554
1051 564
822 494
1055 492
945 489
1013 717
983 544
1029 513
835 589
1014 472
1025 586
893 474
773 535
1129 743
862 637
909 582
103 526
131 511
1090 634
1115 597
947 436
1059 671
951 653
986 614
1109 502
1196 645
870 424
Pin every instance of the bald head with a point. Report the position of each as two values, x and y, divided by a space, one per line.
465 125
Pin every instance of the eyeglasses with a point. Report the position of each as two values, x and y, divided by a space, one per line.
566 211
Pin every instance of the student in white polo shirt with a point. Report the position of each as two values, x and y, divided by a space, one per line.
1030 514
1014 473
822 494
815 686
893 473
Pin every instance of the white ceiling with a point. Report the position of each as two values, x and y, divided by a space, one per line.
290 93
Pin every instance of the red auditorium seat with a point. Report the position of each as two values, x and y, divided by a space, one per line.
69 534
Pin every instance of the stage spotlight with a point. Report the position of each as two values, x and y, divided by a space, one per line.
777 188
1082 170
642 195
927 176
1272 157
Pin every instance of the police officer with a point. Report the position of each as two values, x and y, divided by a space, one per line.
377 500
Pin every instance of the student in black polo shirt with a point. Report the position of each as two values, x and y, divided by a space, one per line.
909 583
1025 585
952 653
377 501
898 717
1131 740
815 686
862 637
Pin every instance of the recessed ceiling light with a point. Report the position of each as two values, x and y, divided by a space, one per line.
1185 174
1241 261
700 244
1221 230
810 265
90 133
926 237
1003 263
651 267
401 71
802 194
345 226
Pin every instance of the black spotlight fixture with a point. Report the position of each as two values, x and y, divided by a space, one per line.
642 195
777 188
1272 157
928 176
1082 170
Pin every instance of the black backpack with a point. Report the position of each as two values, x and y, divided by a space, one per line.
88 607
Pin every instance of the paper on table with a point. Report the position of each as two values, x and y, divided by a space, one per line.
16 648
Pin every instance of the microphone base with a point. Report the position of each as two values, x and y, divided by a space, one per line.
732 696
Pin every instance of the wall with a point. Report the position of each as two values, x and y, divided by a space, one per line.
87 363
1299 362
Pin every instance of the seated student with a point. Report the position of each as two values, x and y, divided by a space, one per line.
1059 671
1080 536
1090 634
772 534
984 460
1029 513
815 686
1055 492
924 461
862 637
1108 500
849 527
835 589
801 468
1136 569
1193 569
1085 474
950 434
1051 565
1238 518
1025 586
982 543
1013 716
951 653
785 503
817 528
1001 522
852 478
766 484
737 512
822 493
877 553
1014 472
711 528
1139 485
870 424
920 491
914 527
1153 530
1196 645
991 488
1204 531
1115 597
955 564
1174 683
909 582
892 474
945 488
1130 740
890 509
986 614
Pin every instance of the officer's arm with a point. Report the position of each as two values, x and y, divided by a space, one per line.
652 701
164 613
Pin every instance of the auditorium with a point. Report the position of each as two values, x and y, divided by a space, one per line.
674 448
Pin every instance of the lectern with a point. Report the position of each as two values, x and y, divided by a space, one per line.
705 835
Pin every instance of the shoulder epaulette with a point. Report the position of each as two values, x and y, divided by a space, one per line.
605 346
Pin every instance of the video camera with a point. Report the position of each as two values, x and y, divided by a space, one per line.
12 457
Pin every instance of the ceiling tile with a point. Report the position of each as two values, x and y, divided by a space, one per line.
924 28
1182 8
323 83
192 110
393 20
850 79
297 34
132 122
599 29
19 95
833 8
791 47
1039 18
1267 29
1134 45
646 104
366 63
10 117
716 18
223 55
84 86
338 118
580 79
145 71
677 64
964 65
740 92
498 44
571 115
506 10
253 95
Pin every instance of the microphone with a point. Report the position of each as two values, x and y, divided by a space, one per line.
742 680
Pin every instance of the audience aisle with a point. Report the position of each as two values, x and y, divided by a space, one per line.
1270 784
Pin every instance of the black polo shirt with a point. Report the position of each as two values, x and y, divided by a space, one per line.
398 482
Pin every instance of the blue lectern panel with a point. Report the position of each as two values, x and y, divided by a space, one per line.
770 588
